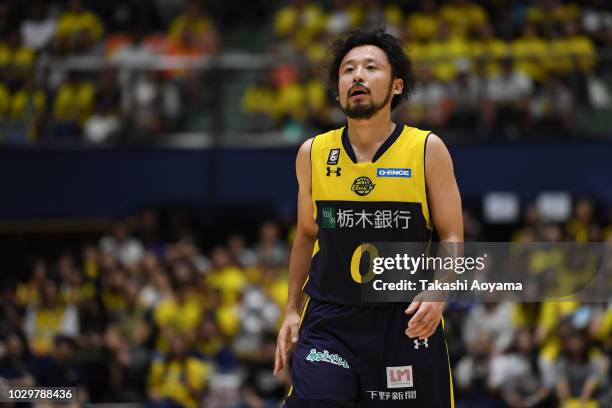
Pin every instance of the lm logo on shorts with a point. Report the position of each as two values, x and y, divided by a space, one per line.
399 377
393 172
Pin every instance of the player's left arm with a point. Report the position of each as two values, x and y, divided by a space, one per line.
446 215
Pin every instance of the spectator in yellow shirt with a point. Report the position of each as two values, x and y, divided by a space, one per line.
179 314
29 292
26 113
579 226
78 29
319 110
463 16
258 106
529 53
179 378
194 29
226 276
16 61
49 319
424 23
574 52
298 22
72 105
376 14
549 14
489 50
444 52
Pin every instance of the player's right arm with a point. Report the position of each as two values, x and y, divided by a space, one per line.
301 255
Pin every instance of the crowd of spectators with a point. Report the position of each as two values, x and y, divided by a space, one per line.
501 69
137 317
99 102
504 68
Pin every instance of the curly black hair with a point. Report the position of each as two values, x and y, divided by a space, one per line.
401 67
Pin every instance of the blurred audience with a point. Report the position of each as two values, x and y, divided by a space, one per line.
530 75
142 317
467 55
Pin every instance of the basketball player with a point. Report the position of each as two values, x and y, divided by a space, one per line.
346 352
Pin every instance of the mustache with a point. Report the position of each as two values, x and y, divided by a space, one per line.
357 84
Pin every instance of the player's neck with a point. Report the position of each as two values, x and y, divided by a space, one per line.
373 131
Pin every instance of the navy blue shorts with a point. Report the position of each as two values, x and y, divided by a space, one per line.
350 356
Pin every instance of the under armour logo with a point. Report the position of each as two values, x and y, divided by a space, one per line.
421 343
330 171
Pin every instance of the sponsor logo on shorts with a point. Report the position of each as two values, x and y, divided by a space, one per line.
327 357
399 377
421 343
334 155
362 186
393 172
392 395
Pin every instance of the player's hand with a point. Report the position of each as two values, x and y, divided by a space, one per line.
427 316
287 337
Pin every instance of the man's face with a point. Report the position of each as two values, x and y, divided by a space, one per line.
365 85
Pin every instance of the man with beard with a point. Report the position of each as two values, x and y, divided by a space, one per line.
373 180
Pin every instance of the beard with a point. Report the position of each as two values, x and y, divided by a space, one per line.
365 110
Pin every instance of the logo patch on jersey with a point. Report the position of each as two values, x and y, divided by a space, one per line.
399 377
329 217
331 171
334 155
362 186
393 172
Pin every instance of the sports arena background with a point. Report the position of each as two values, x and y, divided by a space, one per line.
148 192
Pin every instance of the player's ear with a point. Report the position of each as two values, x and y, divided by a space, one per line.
398 86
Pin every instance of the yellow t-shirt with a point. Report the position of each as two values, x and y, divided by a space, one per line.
71 23
21 57
316 95
73 102
529 55
566 54
22 99
171 379
444 56
5 100
463 18
299 25
201 26
259 100
424 26
182 318
47 325
290 101
230 281
491 53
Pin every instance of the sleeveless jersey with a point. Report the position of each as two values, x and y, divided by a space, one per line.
356 203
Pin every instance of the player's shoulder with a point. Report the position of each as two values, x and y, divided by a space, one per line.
435 143
436 152
414 132
321 140
333 136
